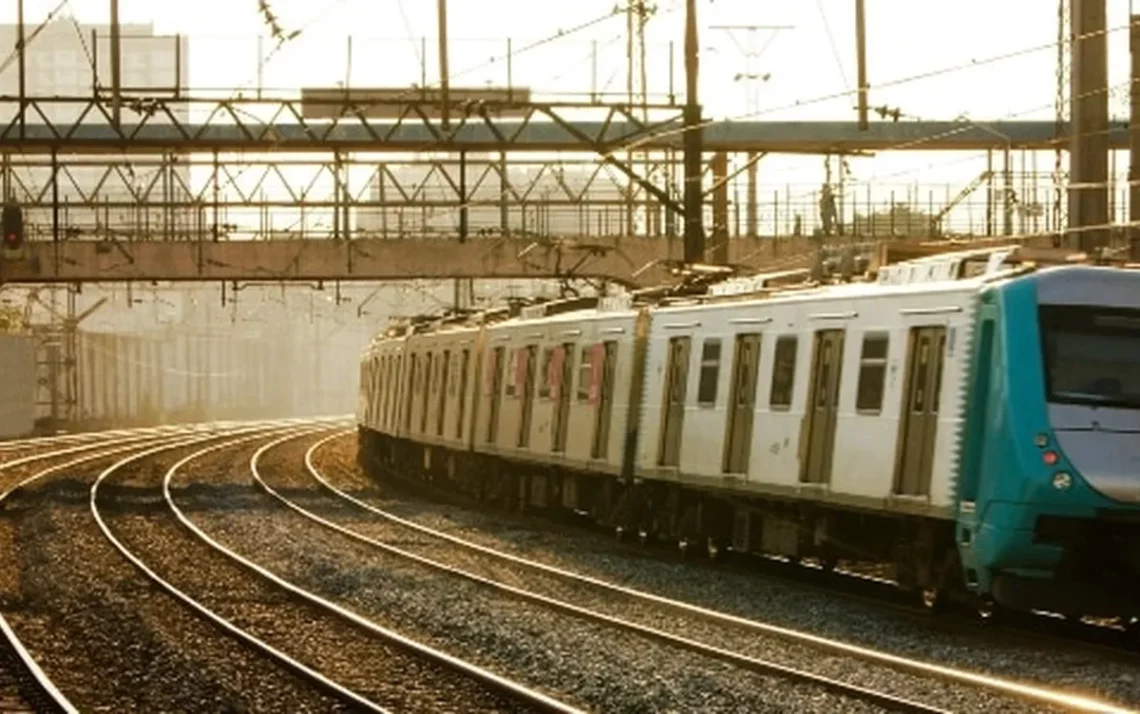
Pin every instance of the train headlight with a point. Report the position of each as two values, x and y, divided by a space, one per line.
1042 440
1062 481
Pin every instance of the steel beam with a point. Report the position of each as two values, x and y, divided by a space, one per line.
630 261
160 125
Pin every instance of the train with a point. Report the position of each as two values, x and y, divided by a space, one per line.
970 420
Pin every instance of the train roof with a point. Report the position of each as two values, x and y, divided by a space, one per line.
940 271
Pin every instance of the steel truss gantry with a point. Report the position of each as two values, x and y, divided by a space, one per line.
206 124
203 188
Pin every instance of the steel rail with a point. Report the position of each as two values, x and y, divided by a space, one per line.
900 663
298 667
502 685
40 680
754 664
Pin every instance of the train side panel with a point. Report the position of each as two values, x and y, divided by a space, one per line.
791 364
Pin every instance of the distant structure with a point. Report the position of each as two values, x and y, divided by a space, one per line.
557 199
71 59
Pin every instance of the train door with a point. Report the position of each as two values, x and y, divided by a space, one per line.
605 401
563 369
461 404
919 423
445 368
426 384
822 406
495 387
526 369
741 404
410 395
673 414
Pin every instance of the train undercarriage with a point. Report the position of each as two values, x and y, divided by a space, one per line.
915 552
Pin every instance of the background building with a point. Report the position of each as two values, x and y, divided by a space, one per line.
67 58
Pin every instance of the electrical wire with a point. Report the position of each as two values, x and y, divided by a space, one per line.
831 42
15 53
654 136
910 144
930 74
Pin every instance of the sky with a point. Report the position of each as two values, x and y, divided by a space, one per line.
814 58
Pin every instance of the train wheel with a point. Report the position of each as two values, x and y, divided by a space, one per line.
1132 629
933 600
713 550
989 612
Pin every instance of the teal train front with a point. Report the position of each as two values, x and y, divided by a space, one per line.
1049 483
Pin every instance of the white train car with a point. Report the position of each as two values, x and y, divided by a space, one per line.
556 398
790 419
816 422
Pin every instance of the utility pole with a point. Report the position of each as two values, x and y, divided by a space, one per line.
693 142
636 88
861 61
1088 130
444 83
22 61
463 289
116 66
1060 116
1134 143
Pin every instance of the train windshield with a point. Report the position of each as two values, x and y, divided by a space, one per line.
1092 355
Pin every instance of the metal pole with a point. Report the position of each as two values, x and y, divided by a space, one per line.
861 61
463 216
694 230
116 66
21 59
1088 134
444 89
1134 143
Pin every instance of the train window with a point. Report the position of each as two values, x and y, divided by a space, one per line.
783 372
710 372
544 376
512 379
585 374
437 375
872 374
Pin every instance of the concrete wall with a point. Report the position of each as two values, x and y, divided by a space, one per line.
17 386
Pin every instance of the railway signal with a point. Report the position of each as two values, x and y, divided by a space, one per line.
12 227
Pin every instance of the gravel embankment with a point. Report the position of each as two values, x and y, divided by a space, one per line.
355 659
765 599
103 635
586 663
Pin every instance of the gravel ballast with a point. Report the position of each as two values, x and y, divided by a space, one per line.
353 658
585 664
106 638
747 595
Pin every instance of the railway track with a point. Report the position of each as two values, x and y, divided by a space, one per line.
24 686
100 638
663 620
345 654
858 585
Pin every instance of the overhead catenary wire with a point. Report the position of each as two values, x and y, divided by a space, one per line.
968 125
611 152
